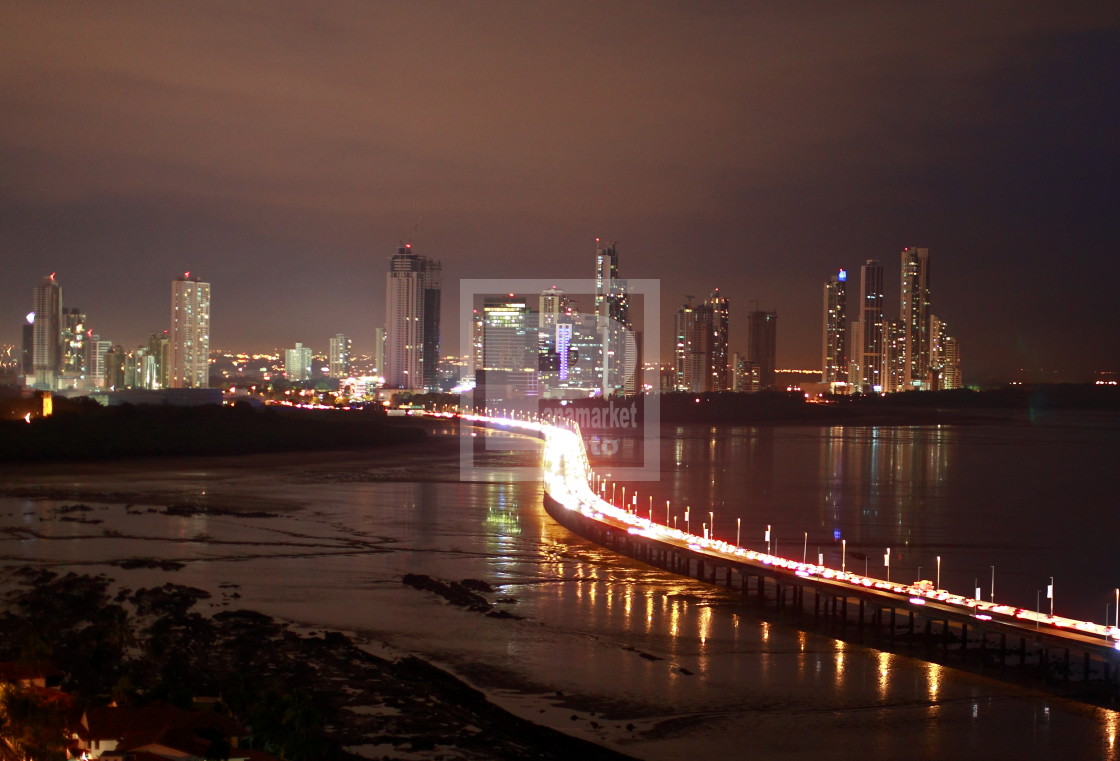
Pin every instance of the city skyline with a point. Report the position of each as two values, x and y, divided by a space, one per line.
751 147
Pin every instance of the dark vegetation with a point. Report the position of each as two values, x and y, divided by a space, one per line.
301 696
82 429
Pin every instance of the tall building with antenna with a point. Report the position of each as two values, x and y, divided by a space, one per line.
618 355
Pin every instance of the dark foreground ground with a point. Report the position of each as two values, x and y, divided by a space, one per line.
305 695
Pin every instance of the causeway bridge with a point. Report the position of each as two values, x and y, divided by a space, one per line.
1079 659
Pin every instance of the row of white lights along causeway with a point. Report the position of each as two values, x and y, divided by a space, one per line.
568 479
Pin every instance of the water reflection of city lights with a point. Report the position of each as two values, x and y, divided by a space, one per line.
1110 723
840 659
705 624
934 676
884 672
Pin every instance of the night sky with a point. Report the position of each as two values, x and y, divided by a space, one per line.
282 151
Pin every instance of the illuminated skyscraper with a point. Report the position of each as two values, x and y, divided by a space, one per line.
834 355
509 350
552 306
618 353
412 307
762 345
159 349
96 351
379 350
554 336
701 351
72 368
297 363
717 321
339 361
46 334
895 357
691 363
868 345
190 333
914 315
945 358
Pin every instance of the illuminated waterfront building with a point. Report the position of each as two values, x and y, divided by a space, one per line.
690 362
867 348
189 349
914 315
701 349
834 355
718 312
412 307
945 358
618 355
744 374
46 334
896 357
509 351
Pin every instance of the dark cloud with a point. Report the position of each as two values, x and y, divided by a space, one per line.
282 151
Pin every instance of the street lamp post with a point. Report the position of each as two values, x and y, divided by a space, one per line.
805 548
887 563
711 525
767 537
939 572
739 532
843 555
993 594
